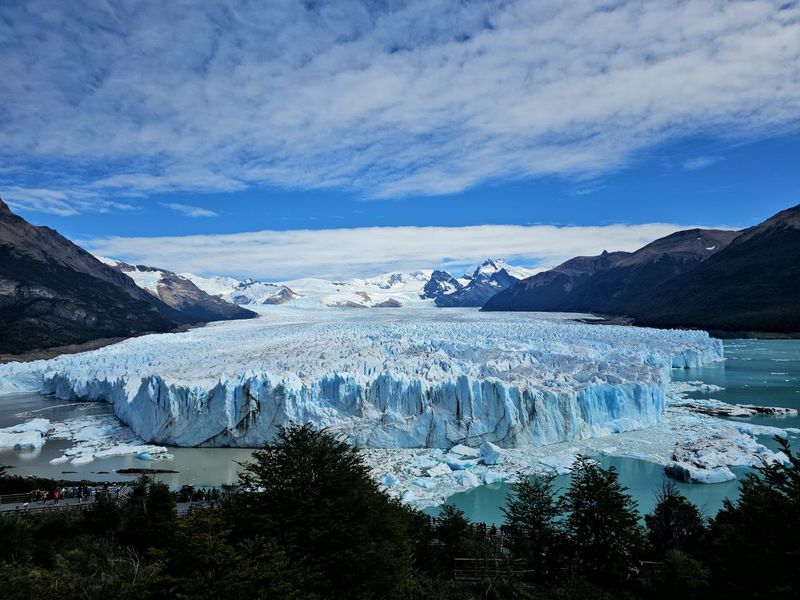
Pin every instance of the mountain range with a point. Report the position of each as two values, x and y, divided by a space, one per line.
725 281
394 289
54 293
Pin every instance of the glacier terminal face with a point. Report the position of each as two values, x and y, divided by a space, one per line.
385 379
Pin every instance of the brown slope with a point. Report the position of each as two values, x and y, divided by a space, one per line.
53 293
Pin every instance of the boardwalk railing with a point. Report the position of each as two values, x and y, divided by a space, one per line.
40 510
474 570
15 498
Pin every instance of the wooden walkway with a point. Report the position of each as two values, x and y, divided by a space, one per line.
19 504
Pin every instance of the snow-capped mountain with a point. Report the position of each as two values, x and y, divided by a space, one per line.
440 284
245 293
179 292
416 288
383 291
491 277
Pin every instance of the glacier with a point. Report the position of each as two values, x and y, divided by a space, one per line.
422 378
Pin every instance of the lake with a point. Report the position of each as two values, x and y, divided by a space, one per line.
755 372
760 372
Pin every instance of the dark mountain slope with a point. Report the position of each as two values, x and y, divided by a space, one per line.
53 293
752 285
612 282
617 290
551 290
45 304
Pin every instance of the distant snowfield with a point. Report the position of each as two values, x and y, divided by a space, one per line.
400 378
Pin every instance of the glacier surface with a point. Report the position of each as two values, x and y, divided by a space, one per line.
405 379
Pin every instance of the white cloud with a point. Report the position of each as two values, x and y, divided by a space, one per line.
190 211
701 162
58 202
424 97
358 252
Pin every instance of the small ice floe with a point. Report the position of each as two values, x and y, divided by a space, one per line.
561 464
101 436
491 454
692 474
717 408
25 436
410 498
465 451
439 469
707 459
467 479
490 477
389 480
456 463
423 462
426 483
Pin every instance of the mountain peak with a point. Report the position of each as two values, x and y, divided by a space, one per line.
786 218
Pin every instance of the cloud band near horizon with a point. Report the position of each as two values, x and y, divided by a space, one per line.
362 252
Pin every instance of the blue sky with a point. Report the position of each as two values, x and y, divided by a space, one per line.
346 138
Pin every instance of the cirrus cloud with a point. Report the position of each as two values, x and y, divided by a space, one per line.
418 97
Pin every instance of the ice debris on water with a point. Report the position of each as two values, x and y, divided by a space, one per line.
25 436
490 454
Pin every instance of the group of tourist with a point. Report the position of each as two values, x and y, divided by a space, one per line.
81 492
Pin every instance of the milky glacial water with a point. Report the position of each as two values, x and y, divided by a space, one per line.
755 372
195 466
760 372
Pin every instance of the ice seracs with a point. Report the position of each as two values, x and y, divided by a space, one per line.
419 379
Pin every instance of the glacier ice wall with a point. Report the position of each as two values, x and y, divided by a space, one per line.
406 379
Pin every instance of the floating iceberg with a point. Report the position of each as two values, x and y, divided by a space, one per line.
25 436
417 378
491 454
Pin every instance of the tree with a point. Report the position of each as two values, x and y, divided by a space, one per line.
313 493
754 548
674 524
149 517
602 522
201 562
678 575
533 514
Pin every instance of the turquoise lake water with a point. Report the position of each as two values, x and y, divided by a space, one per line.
761 372
755 372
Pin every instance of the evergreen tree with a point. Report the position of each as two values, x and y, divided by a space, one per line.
755 542
674 524
314 494
677 575
602 522
149 517
201 562
533 514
